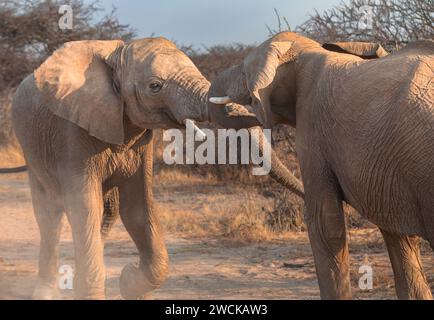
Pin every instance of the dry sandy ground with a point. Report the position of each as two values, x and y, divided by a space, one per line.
200 268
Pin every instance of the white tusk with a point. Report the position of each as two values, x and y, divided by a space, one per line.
220 100
200 135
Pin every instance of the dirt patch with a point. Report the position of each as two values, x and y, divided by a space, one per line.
203 265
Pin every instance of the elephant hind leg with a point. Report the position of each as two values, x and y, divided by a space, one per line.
111 212
404 253
48 213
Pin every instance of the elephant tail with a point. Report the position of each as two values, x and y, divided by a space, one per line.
13 170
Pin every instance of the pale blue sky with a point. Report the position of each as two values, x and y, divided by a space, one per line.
207 22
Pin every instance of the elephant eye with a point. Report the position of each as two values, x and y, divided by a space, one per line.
155 86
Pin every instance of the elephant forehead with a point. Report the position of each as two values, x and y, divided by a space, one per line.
151 44
162 63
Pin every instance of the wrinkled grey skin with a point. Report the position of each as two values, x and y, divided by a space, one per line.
364 136
84 121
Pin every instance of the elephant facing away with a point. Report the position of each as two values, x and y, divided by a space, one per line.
84 120
364 136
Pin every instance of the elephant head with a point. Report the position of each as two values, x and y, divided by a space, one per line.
95 84
258 80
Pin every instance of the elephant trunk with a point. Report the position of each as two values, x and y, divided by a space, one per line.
188 97
239 93
278 171
221 115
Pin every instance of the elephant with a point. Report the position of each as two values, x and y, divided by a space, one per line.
85 120
364 135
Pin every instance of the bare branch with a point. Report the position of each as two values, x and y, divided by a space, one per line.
393 23
29 32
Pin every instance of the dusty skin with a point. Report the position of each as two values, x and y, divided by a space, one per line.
206 266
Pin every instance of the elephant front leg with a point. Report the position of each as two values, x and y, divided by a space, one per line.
84 207
48 213
404 253
140 219
327 233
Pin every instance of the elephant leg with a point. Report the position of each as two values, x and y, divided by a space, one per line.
84 208
48 214
327 233
111 212
141 221
404 254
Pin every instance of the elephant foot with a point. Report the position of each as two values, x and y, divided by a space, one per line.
134 283
89 293
92 296
45 292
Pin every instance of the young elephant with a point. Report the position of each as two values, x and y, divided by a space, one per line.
364 136
83 119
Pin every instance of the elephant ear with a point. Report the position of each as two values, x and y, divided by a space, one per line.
365 50
77 85
260 68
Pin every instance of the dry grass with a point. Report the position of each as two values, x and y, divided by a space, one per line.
168 176
10 152
235 213
183 222
5 115
245 225
287 213
232 213
354 220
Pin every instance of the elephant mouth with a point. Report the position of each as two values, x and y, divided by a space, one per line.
233 104
186 124
172 120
